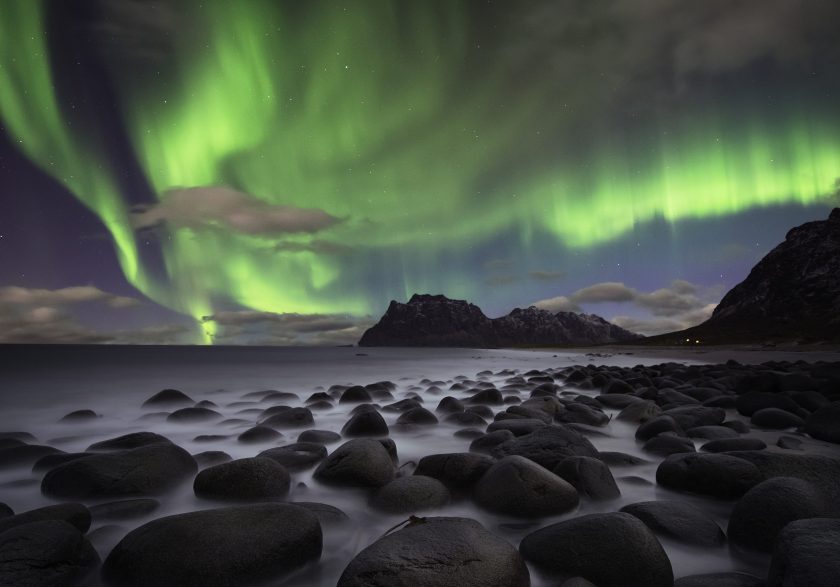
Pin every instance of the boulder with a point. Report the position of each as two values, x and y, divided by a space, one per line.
127 441
147 470
730 444
168 397
49 552
362 462
256 478
516 486
124 510
609 550
656 426
679 520
437 552
668 444
775 419
291 418
547 446
80 416
319 436
716 475
259 434
459 471
24 455
418 417
764 510
411 494
805 554
249 544
75 514
298 456
366 423
824 423
590 477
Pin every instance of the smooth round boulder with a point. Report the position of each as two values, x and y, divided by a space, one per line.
487 442
805 554
24 455
516 486
211 457
458 470
417 417
437 552
411 494
590 477
775 419
5 510
193 415
639 412
291 418
362 462
75 514
319 436
764 510
80 416
712 432
720 580
252 544
668 444
259 434
168 397
366 423
656 426
327 515
127 441
749 403
679 520
490 397
728 444
148 470
824 423
256 478
355 395
610 550
49 552
516 425
465 419
713 474
548 445
49 461
298 456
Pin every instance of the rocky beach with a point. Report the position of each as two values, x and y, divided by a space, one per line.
419 467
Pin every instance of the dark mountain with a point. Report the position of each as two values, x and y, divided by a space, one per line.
792 294
435 320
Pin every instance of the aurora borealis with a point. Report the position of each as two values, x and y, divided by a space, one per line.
273 158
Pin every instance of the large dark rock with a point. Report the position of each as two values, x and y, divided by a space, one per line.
365 423
730 444
168 397
259 434
75 514
679 520
147 470
824 423
435 320
124 510
132 440
487 442
411 494
668 444
805 554
720 580
516 486
460 470
591 477
437 552
548 446
49 552
775 419
298 456
717 475
764 510
257 478
291 418
362 462
319 436
418 417
231 546
24 455
610 550
79 416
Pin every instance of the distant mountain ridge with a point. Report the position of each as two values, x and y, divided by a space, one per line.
437 321
792 294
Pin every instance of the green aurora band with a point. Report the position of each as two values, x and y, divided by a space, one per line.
356 114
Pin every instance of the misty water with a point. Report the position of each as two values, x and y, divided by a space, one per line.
39 386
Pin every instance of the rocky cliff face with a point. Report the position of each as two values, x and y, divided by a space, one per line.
792 294
435 320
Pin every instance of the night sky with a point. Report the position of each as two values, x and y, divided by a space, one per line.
275 172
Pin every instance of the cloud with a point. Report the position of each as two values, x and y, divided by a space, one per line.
680 305
500 280
661 325
219 206
660 46
24 296
558 304
543 275
268 328
607 291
